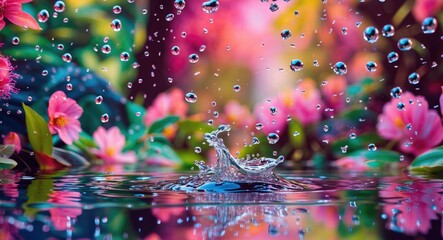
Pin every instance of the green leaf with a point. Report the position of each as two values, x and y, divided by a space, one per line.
160 125
6 163
376 159
38 131
135 113
429 162
159 149
6 150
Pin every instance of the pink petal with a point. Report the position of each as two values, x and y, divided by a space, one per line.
441 101
21 18
100 137
2 24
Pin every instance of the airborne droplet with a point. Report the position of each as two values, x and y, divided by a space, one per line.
169 17
175 50
404 44
15 40
296 65
388 30
285 34
340 68
371 66
43 15
414 78
193 58
210 6
124 56
392 57
104 118
429 25
116 9
273 138
59 6
372 147
67 57
371 34
98 100
396 92
191 97
106 49
179 4
116 24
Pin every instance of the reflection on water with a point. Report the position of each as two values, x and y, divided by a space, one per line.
118 205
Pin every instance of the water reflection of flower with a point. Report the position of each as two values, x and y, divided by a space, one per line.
410 206
61 216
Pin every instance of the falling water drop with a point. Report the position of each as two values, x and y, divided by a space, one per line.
404 44
175 50
388 30
429 25
273 110
273 138
414 78
193 58
372 147
285 34
259 126
106 49
371 34
124 56
296 65
67 57
15 40
191 97
59 6
392 57
396 92
116 9
197 149
104 118
274 7
210 6
116 24
43 15
371 66
237 88
169 17
401 106
340 68
98 100
179 4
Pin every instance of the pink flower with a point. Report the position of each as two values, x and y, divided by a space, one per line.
110 145
441 101
426 8
352 163
63 117
237 114
12 10
7 78
416 127
272 121
70 207
333 92
171 103
13 139
303 101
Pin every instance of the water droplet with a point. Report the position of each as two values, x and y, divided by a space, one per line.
29 98
45 72
237 88
175 50
285 34
67 57
371 34
124 56
273 138
60 47
352 136
414 78
255 141
116 24
98 100
15 40
274 7
392 57
202 48
210 6
396 92
69 87
325 128
401 106
106 49
43 15
259 126
59 6
191 97
129 85
193 58
169 17
404 44
116 9
197 150
179 4
372 147
388 30
340 68
104 118
296 65
409 126
429 25
273 110
344 31
371 66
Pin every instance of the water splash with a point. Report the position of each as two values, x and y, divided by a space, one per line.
232 174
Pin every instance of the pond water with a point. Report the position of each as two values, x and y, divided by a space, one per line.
119 203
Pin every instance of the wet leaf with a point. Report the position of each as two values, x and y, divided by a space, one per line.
160 125
47 162
6 150
69 157
38 131
377 158
6 163
429 162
